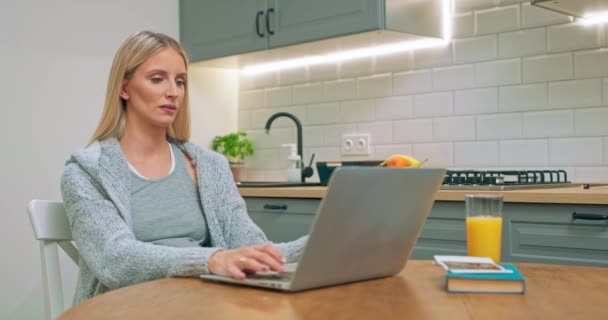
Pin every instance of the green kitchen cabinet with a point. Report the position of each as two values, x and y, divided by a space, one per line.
283 219
550 233
532 232
211 29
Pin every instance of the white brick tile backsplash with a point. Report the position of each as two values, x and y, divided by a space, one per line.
605 87
519 87
523 97
393 108
438 155
246 82
375 86
276 97
573 36
576 151
323 72
548 68
475 49
433 57
470 5
591 122
499 126
385 151
591 174
476 101
332 135
264 159
356 111
524 152
606 152
244 120
497 20
476 154
312 136
293 76
454 129
380 132
577 93
463 25
408 131
265 80
500 72
401 61
433 104
251 99
337 90
308 93
454 77
258 118
522 43
588 64
533 16
548 124
412 82
274 139
325 113
356 68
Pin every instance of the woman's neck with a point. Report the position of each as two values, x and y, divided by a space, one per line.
140 144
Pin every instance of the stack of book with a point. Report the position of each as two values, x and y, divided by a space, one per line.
480 275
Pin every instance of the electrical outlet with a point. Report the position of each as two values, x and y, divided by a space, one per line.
355 145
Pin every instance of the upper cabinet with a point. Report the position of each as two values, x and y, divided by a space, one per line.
299 21
211 29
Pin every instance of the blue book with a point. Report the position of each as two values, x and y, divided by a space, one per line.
513 282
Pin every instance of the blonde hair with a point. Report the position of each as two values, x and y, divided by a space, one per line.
134 51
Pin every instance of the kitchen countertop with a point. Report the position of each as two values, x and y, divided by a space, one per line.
569 195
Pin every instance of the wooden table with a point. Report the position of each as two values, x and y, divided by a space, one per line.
553 292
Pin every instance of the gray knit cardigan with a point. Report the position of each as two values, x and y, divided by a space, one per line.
95 189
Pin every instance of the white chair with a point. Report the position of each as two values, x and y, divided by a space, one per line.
51 228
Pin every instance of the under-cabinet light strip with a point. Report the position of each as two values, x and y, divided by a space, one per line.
594 18
346 55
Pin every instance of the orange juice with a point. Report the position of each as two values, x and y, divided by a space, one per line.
484 235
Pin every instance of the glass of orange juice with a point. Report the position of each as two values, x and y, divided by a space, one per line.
484 225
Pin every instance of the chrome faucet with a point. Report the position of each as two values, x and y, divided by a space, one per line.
305 172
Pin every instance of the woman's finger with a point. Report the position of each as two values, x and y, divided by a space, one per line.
251 264
268 260
235 272
273 251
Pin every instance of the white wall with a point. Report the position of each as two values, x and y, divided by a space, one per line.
519 87
55 58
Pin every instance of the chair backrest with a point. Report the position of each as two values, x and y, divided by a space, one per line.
52 229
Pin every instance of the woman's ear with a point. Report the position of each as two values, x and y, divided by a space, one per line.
123 90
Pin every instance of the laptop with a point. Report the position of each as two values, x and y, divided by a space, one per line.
365 228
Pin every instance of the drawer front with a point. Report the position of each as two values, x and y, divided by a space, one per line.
443 233
549 234
283 219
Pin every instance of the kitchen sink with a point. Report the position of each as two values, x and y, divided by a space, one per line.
275 184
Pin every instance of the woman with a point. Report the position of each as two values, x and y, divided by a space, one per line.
143 203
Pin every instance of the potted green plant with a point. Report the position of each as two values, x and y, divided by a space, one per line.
235 147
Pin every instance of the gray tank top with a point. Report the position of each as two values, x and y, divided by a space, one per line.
168 211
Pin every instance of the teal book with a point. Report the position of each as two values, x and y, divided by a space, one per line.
513 282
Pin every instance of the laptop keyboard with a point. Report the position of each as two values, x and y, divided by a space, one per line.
271 276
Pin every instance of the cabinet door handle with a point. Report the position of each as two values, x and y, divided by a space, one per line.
275 206
257 24
588 216
268 12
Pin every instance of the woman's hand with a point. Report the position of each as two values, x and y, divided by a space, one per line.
236 262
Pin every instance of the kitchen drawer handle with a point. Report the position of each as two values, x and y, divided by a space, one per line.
588 216
268 12
275 206
257 24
